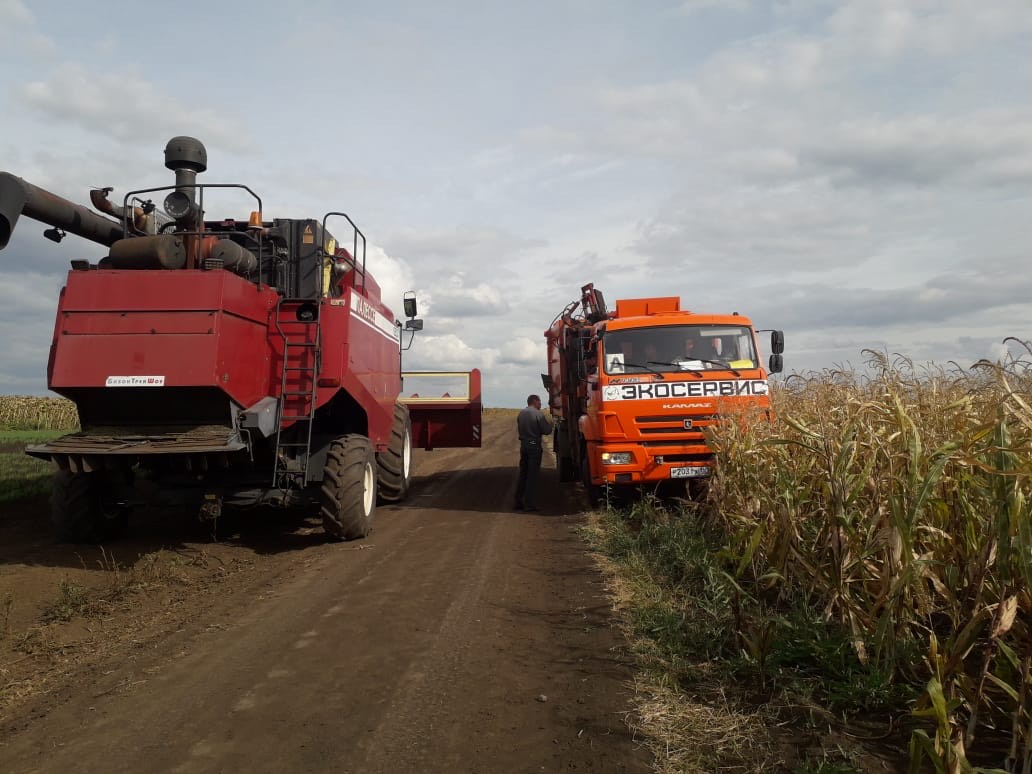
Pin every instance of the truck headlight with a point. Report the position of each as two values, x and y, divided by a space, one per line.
617 458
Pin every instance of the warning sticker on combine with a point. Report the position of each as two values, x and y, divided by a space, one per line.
308 236
135 381
724 389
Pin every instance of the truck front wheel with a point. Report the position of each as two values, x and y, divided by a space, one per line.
348 495
395 465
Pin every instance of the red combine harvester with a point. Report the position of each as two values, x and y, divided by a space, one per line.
226 362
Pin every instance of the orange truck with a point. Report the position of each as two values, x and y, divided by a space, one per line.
631 391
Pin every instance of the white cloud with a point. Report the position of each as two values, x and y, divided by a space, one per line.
522 351
988 147
15 12
458 246
455 299
124 106
889 28
689 7
447 352
394 276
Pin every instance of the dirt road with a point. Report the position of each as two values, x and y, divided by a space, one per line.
459 637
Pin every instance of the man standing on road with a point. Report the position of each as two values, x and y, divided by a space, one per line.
532 426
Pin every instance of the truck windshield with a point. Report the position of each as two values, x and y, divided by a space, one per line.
679 348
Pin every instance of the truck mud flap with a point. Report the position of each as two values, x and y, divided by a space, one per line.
445 406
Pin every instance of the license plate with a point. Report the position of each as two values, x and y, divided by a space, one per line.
700 471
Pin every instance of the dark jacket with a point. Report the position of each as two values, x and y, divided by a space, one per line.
532 424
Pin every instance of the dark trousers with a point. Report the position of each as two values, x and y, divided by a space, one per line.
530 466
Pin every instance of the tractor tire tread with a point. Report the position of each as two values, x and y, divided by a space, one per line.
341 495
393 483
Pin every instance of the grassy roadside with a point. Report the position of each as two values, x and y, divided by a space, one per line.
26 419
706 700
22 476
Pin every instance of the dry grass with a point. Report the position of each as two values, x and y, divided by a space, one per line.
500 412
706 731
711 733
31 412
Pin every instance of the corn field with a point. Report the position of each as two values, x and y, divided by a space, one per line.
898 505
30 412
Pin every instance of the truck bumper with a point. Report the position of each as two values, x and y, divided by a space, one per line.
652 463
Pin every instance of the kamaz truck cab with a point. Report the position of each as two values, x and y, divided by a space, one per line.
633 390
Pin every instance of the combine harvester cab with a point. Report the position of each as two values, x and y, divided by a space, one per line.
632 390
223 362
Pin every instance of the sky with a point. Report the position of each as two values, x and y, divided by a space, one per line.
857 173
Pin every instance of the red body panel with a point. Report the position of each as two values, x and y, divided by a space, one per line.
194 328
360 350
215 329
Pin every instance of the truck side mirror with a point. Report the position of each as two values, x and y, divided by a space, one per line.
413 325
777 342
409 300
775 364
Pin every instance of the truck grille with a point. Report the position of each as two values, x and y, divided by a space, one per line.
673 458
676 418
674 424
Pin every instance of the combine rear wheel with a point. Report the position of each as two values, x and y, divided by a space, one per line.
395 465
348 495
80 510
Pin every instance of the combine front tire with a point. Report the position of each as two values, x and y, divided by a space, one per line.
348 495
395 465
80 511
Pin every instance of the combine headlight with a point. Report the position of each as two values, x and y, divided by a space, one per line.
617 458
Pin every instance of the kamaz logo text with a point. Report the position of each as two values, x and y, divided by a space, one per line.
725 389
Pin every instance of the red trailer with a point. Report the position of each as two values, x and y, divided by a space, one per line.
224 362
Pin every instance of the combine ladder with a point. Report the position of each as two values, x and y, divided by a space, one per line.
302 359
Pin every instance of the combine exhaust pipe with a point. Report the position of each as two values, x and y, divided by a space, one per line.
18 197
187 157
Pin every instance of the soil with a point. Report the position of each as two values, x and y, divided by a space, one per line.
459 636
